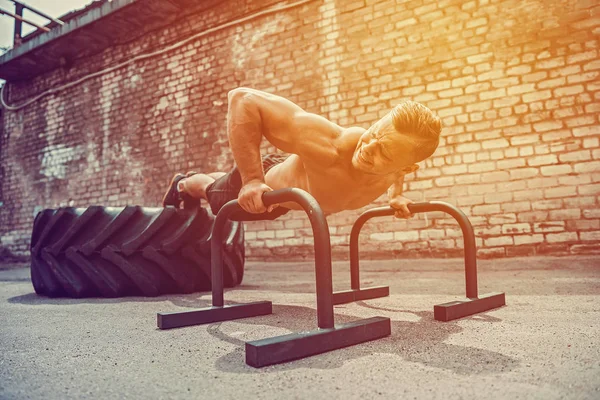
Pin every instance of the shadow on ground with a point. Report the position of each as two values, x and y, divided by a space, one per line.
192 300
420 342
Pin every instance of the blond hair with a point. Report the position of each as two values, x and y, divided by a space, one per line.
420 126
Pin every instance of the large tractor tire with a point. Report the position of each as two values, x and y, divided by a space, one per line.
129 251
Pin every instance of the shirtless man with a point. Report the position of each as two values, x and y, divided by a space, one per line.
342 168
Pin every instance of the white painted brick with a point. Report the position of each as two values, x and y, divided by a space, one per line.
587 190
383 236
442 243
551 170
529 239
265 234
562 191
293 242
591 236
486 209
286 233
273 243
547 204
498 241
561 237
587 167
542 160
550 226
500 219
586 130
495 144
407 236
428 234
516 228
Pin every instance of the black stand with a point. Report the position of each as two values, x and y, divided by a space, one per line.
326 337
442 312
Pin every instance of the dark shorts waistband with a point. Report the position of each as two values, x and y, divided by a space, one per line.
227 188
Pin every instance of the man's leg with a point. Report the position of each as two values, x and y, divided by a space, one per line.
195 185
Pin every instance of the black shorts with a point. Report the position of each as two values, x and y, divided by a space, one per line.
227 188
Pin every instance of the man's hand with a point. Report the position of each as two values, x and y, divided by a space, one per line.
401 205
250 197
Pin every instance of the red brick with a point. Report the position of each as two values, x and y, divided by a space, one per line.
585 249
552 249
583 225
561 237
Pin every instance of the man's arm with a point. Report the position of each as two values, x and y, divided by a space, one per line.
397 201
253 114
244 133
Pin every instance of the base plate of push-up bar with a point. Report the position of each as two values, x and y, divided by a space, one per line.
349 296
275 350
213 314
462 308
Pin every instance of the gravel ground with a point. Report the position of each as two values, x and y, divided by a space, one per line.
544 344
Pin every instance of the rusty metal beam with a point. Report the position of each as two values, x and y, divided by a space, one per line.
38 12
21 19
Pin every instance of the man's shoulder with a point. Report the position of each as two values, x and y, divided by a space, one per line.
337 153
348 138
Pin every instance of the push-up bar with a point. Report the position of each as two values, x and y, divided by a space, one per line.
447 311
328 336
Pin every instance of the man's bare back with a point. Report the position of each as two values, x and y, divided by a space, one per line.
335 184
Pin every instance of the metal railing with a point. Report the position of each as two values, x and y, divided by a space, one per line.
18 17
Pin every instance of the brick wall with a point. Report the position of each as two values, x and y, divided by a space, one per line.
514 81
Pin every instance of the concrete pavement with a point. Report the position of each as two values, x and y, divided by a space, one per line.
544 344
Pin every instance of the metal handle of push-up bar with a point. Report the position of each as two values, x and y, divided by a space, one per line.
321 240
467 230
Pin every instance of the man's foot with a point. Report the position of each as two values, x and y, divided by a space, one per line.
189 202
172 197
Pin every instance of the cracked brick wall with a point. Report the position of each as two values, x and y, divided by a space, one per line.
514 81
